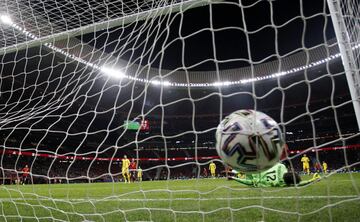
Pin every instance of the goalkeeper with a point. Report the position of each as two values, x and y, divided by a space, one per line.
276 176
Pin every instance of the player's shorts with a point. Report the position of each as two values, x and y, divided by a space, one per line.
212 171
125 171
306 166
25 176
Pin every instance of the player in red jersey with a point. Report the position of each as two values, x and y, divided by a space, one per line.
317 167
25 175
132 170
205 172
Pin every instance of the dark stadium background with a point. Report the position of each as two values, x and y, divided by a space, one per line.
30 83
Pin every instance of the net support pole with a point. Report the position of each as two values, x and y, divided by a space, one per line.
347 56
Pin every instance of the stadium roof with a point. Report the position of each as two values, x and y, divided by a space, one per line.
64 28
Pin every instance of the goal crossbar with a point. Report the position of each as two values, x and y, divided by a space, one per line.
111 23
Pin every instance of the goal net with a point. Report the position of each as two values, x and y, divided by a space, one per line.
85 83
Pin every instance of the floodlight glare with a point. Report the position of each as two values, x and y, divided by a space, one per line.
6 19
113 73
155 82
166 83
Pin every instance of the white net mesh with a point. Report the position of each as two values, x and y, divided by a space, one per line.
84 83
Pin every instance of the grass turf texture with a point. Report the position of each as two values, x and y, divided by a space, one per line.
335 198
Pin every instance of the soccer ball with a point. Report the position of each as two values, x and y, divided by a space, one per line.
249 141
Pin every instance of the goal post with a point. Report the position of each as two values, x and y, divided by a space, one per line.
346 49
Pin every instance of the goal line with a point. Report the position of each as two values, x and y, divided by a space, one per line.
116 199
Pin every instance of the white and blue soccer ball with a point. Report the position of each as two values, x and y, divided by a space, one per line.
249 141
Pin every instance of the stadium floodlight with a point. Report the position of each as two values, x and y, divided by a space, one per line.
226 83
356 46
6 19
155 82
113 72
118 74
167 83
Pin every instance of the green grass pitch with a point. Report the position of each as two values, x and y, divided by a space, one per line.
335 198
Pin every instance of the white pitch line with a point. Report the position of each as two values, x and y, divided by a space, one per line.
176 199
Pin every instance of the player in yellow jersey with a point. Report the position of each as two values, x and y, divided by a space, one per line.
139 174
212 168
306 166
125 169
325 166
